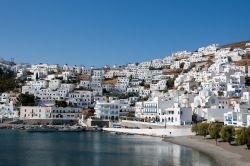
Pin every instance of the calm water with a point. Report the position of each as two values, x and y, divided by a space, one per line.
92 149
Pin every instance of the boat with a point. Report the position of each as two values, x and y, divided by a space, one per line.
40 129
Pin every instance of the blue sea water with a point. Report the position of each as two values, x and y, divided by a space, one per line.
21 148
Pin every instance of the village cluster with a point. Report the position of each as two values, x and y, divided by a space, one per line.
209 84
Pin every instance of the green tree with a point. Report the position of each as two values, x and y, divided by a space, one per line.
248 143
26 100
242 135
203 129
130 115
142 83
7 80
146 86
247 80
220 93
182 65
61 103
214 130
132 94
170 83
227 133
195 128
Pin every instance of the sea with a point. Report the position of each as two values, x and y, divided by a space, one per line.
22 148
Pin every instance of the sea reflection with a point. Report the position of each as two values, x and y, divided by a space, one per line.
92 149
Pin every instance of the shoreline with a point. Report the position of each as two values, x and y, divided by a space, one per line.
223 154
162 132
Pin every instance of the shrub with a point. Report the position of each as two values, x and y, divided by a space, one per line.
61 103
195 128
248 143
242 136
227 133
214 130
203 129
25 99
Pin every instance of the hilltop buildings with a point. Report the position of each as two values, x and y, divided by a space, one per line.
209 84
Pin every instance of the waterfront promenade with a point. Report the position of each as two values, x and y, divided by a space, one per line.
151 129
163 132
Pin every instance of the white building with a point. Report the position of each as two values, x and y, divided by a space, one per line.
104 110
237 117
36 112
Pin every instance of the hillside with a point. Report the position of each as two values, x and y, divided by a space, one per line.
7 80
241 44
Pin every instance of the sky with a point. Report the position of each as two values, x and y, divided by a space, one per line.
100 32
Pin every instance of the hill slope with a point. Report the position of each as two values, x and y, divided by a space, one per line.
241 44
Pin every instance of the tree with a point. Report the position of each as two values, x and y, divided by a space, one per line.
227 133
247 80
142 83
182 65
170 83
248 143
203 129
26 100
214 130
220 93
146 86
132 94
7 80
130 115
61 103
195 128
242 136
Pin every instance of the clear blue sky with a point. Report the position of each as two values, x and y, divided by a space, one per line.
99 32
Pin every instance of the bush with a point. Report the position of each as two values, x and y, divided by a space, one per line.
170 83
220 93
242 136
7 80
247 80
195 128
146 86
227 133
26 100
214 130
248 143
203 129
61 103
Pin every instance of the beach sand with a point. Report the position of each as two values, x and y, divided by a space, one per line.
223 153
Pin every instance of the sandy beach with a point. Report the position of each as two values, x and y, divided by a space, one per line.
223 153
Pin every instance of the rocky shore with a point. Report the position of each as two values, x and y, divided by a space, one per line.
223 153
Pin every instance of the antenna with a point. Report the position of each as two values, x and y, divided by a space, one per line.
12 60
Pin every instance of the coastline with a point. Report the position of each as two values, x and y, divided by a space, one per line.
158 132
223 154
